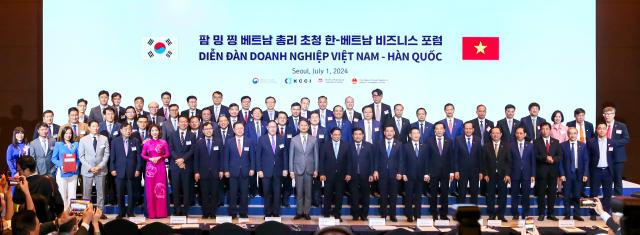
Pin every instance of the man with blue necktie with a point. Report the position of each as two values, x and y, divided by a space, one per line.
388 172
425 128
413 167
574 172
340 122
468 154
523 172
332 170
323 112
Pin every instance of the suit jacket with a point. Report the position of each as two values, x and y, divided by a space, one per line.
385 113
588 129
291 125
619 138
208 162
182 150
388 165
54 134
357 116
414 167
469 162
508 136
168 128
224 110
125 164
270 163
402 133
529 128
478 132
138 135
330 165
187 113
345 129
250 131
96 114
266 118
567 165
321 134
238 164
328 116
363 162
499 164
457 130
133 123
523 166
159 119
303 161
90 157
594 154
427 130
376 129
542 167
305 114
197 134
440 164
45 186
44 166
115 130
218 135
82 129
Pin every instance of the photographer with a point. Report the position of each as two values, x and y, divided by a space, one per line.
45 196
613 222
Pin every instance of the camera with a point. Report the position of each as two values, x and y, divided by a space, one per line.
78 206
587 203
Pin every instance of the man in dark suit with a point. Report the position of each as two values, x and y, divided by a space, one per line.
601 160
399 123
425 128
304 108
256 127
532 122
207 164
618 133
234 111
387 171
332 170
116 100
481 125
350 113
138 105
574 172
370 127
181 144
468 155
497 173
239 167
360 172
47 118
319 132
523 171
192 103
126 164
130 117
269 114
340 122
245 110
585 129
97 112
195 128
222 134
413 168
109 127
166 101
154 117
508 124
42 188
440 169
272 163
381 111
294 119
170 126
217 108
286 132
548 156
322 111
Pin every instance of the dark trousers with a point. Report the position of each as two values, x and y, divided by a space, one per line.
287 190
182 186
209 193
439 184
138 190
223 189
271 191
601 177
618 171
360 192
520 191
546 185
316 192
388 186
334 188
496 187
254 187
125 186
239 187
413 196
110 193
573 189
468 183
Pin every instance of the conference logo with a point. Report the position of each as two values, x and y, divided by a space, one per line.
255 80
159 48
295 81
354 80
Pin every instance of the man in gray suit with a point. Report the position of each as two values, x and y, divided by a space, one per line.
96 113
303 162
170 125
94 155
41 149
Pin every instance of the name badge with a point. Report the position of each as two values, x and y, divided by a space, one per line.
377 222
376 129
223 219
442 222
134 148
115 133
188 142
161 123
355 120
178 220
134 130
330 118
488 129
610 149
216 148
122 116
83 132
386 112
566 223
538 127
55 136
321 136
618 131
494 223
424 223
246 149
289 136
281 146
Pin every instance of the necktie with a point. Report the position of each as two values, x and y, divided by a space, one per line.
388 149
75 129
281 131
509 122
575 159
224 136
339 124
295 123
95 143
126 147
182 137
416 149
45 146
270 115
582 137
192 114
521 149
335 149
313 131
258 129
166 112
440 145
350 116
451 127
546 145
110 128
369 135
496 148
209 146
51 130
246 116
398 125
421 128
609 131
239 147
535 130
378 112
153 120
216 112
304 143
469 146
481 131
358 149
273 144
143 134
322 118
175 124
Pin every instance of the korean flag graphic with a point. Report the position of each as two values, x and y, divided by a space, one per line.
159 48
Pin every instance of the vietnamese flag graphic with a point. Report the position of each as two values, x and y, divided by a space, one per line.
480 48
